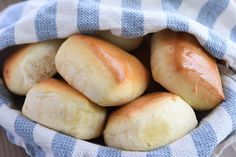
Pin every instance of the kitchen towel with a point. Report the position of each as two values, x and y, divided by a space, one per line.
212 22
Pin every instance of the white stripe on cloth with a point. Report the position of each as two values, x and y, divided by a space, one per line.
130 154
83 148
225 73
228 79
43 137
226 21
201 32
217 122
25 29
2 15
7 119
231 57
191 8
184 147
152 22
66 18
150 5
31 6
112 20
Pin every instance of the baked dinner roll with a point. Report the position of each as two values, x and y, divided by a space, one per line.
149 122
58 106
29 65
104 73
125 44
182 66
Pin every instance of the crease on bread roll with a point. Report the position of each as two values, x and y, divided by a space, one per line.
56 105
149 122
104 73
182 66
125 44
29 65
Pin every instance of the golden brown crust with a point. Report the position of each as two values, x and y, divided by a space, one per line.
149 122
113 58
11 61
186 62
193 60
104 73
29 64
143 102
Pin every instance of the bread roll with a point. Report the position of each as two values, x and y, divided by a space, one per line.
58 106
125 44
181 65
29 65
104 73
149 122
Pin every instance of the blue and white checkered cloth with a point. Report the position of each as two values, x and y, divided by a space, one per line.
213 22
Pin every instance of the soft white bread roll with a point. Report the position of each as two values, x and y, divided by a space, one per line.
56 105
149 122
29 65
104 73
125 44
181 65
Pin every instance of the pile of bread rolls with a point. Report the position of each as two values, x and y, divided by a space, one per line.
99 72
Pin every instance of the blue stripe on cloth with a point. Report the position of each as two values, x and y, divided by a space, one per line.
5 96
88 16
132 18
233 34
25 128
7 37
177 23
230 105
171 5
11 15
204 139
216 45
63 145
108 152
211 11
160 152
45 22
